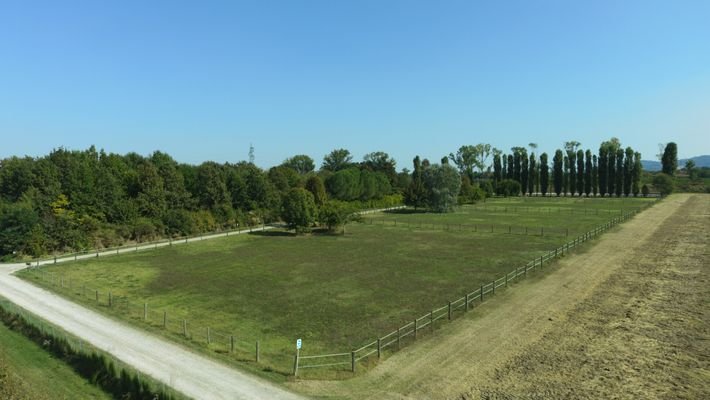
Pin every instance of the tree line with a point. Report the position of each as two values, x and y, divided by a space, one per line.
73 200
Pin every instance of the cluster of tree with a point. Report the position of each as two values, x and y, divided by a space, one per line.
613 171
72 200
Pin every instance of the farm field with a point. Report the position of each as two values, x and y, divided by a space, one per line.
29 372
335 292
626 318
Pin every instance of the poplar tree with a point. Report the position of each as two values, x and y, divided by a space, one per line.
565 174
588 173
611 172
636 174
532 180
619 172
511 172
524 173
628 170
595 175
602 169
580 172
557 171
669 160
572 171
497 171
544 174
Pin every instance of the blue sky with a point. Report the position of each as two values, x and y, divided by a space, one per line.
203 80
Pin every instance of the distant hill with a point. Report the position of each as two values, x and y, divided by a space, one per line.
700 161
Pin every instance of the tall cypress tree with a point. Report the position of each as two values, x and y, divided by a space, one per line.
580 172
619 172
588 172
532 169
544 174
602 170
572 171
516 165
636 174
524 174
511 172
611 171
628 170
557 172
565 174
595 175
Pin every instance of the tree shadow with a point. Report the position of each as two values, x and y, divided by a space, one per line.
272 233
405 211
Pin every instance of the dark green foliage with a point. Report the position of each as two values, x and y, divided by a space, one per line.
299 209
16 224
533 179
334 214
595 175
285 178
588 173
315 185
580 172
470 193
565 175
415 195
669 160
611 171
442 183
517 167
344 184
301 163
628 170
337 160
381 162
619 185
557 173
511 169
602 169
544 174
663 183
636 174
508 188
572 171
524 172
645 190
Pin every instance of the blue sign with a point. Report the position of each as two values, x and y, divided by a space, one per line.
298 344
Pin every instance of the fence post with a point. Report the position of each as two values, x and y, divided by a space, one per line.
379 348
431 320
494 286
481 293
295 364
506 280
540 261
449 311
231 344
399 337
145 311
209 339
97 296
466 308
184 327
165 319
257 351
110 300
415 329
352 361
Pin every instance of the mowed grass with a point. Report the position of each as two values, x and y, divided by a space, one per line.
35 374
336 292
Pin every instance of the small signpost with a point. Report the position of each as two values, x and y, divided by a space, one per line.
299 342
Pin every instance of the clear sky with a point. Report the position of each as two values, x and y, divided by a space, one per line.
202 80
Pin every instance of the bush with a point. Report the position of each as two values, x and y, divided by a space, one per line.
663 183
143 230
508 187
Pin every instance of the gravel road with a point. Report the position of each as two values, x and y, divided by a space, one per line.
194 375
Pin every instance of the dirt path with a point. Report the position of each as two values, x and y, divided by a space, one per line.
189 373
471 354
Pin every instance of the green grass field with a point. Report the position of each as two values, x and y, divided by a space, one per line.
336 292
29 372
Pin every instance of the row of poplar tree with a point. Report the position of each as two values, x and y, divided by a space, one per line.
614 171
